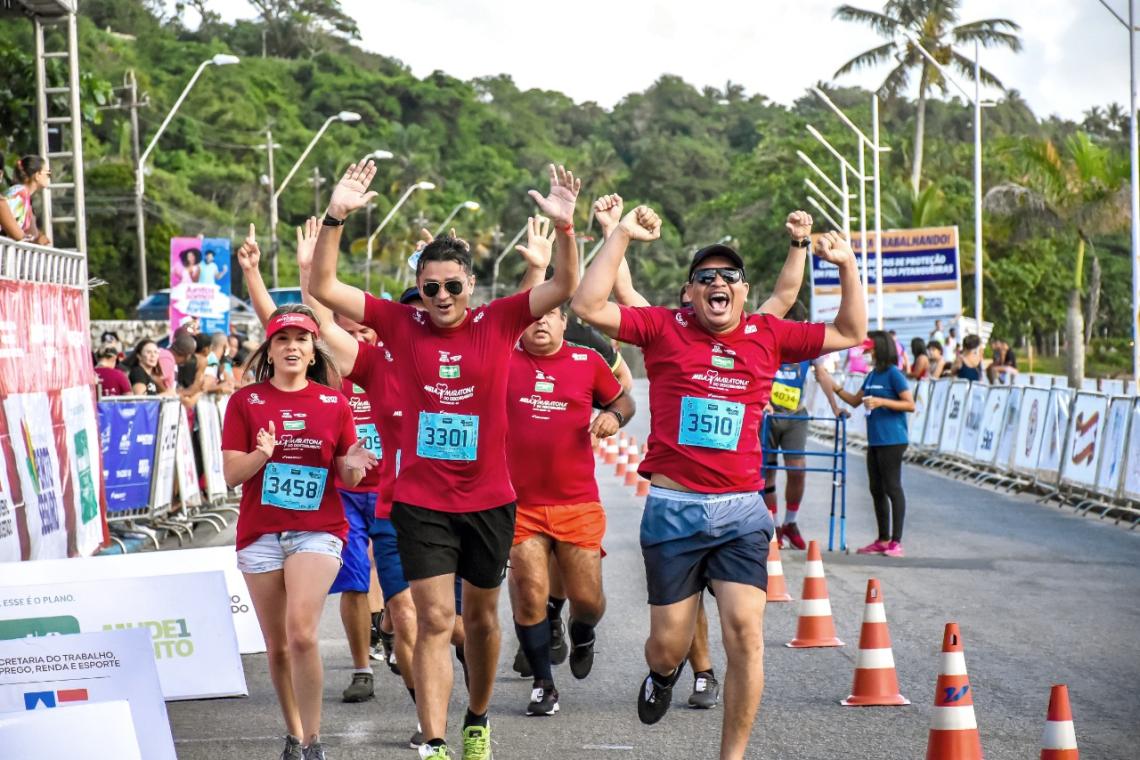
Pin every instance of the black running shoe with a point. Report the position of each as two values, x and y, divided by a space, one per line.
559 647
653 700
706 691
543 699
582 659
521 666
417 738
388 642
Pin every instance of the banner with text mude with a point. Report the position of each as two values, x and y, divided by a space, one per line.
50 672
100 729
144 564
921 275
188 617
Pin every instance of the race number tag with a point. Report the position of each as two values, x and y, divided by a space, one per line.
711 423
786 396
369 437
293 486
447 436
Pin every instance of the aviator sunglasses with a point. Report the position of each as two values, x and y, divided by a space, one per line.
730 275
454 287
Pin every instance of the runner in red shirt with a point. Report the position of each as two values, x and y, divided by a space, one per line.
285 438
453 505
552 390
710 371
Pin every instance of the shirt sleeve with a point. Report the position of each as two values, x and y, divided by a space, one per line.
347 435
362 367
799 341
898 382
606 386
139 375
383 316
235 428
640 325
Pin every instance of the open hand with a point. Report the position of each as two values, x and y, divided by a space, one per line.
249 255
307 242
604 425
642 224
607 210
267 440
559 204
359 458
539 243
798 225
834 248
352 191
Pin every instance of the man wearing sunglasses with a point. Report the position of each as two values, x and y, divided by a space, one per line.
454 506
710 370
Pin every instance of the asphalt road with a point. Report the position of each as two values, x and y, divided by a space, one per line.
1042 597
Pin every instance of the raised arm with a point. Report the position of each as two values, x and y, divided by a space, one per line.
350 194
536 253
791 277
607 210
249 259
342 345
591 303
559 207
850 325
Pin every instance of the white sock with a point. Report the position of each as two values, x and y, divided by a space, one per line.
362 670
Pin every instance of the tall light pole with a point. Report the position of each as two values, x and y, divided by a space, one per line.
1130 25
976 100
499 259
345 116
221 59
391 213
469 205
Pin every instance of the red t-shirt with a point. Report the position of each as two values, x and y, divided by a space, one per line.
367 430
549 403
373 374
112 382
717 386
295 490
453 386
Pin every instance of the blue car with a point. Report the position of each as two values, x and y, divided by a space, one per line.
156 307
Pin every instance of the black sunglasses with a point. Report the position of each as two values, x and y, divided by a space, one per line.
731 275
431 288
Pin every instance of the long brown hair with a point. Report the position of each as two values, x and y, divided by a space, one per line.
323 370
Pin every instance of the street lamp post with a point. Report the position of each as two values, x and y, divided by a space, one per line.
499 259
391 213
345 116
221 59
469 205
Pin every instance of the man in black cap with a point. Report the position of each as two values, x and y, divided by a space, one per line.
704 525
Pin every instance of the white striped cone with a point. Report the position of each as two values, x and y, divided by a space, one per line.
876 682
777 588
622 463
815 627
611 453
1060 739
953 727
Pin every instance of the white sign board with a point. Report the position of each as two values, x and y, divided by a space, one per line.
1130 487
990 429
162 486
857 425
1008 439
99 729
81 443
1083 442
1030 430
187 469
61 672
936 414
918 419
210 438
1053 440
9 537
188 617
33 450
954 416
972 421
144 564
1112 449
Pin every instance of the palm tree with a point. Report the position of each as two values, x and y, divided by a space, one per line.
934 23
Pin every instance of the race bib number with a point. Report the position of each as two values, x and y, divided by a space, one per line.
710 423
293 486
448 436
369 437
786 396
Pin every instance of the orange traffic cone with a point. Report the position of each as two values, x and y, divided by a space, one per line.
633 454
622 463
642 487
777 589
876 682
953 728
611 452
815 627
1060 740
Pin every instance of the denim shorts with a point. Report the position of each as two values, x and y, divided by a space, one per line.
689 540
268 552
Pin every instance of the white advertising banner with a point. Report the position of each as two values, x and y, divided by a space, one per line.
972 420
188 617
936 414
188 489
1083 442
1112 387
857 424
954 416
918 419
71 733
1030 430
1130 487
143 564
162 493
52 672
1112 449
210 440
990 429
82 437
9 538
1008 439
33 448
1053 440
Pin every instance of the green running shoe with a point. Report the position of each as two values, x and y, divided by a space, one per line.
477 742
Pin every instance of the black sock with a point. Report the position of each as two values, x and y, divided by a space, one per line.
554 608
435 742
412 693
471 719
667 679
535 643
704 674
581 633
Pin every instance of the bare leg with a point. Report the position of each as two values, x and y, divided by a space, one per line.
671 629
582 582
699 657
434 600
308 577
402 617
741 610
528 580
267 590
357 623
481 645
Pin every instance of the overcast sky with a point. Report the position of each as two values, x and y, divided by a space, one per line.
1075 54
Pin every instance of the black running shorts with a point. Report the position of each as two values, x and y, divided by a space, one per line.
473 545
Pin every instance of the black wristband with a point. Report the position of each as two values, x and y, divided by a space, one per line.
616 413
801 243
331 221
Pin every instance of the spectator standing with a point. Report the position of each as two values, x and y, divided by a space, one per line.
920 367
111 380
17 219
146 375
969 363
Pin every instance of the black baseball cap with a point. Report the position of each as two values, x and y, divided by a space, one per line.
716 249
411 294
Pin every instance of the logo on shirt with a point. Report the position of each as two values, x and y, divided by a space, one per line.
360 405
328 399
293 424
478 317
579 357
253 398
540 375
749 329
449 358
357 389
724 362
418 316
718 382
449 371
681 320
541 387
448 396
540 404
719 349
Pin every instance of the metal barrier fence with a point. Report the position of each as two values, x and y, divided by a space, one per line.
838 468
37 263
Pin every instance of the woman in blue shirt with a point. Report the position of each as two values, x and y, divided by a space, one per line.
887 398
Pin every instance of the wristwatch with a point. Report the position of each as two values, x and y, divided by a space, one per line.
331 221
619 415
801 243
